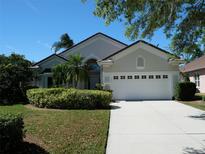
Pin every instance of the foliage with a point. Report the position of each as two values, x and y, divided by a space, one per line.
203 98
11 131
60 74
76 70
14 77
185 91
62 131
69 98
184 21
99 86
65 42
73 71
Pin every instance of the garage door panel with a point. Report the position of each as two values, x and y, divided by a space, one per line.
138 89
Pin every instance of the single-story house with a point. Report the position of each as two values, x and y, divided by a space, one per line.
196 72
137 71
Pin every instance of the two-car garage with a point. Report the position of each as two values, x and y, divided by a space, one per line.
141 86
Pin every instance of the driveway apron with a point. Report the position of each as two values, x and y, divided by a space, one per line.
156 127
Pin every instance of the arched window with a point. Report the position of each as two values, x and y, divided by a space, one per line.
93 66
140 62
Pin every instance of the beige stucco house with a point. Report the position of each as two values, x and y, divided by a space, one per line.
196 72
137 71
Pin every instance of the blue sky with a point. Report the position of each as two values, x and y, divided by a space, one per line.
30 27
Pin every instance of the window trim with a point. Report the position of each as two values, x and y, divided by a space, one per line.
115 77
157 75
165 76
123 77
140 67
136 77
128 77
143 76
152 76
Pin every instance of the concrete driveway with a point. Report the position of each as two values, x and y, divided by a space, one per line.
156 127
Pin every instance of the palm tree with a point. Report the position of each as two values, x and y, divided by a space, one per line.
65 42
59 74
72 71
76 69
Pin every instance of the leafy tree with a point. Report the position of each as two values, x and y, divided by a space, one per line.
14 77
65 42
183 21
72 71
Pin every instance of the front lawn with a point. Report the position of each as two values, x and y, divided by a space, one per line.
197 104
64 131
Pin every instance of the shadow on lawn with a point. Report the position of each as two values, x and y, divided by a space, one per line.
189 150
28 148
200 117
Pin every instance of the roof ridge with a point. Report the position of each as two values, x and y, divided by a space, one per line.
136 42
92 37
54 54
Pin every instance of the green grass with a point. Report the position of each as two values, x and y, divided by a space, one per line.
197 104
64 131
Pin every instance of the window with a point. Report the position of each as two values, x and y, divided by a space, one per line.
122 77
115 77
144 76
165 76
158 77
137 77
151 76
140 62
197 79
129 77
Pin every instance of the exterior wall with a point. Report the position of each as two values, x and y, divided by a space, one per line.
152 63
97 48
201 72
155 64
49 63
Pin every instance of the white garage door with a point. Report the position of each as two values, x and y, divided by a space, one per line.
141 86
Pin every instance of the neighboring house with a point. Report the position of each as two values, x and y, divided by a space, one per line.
196 72
137 71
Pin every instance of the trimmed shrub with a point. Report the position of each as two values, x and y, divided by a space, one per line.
11 132
185 91
61 98
203 98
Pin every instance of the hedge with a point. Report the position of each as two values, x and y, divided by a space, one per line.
62 98
11 132
203 98
185 91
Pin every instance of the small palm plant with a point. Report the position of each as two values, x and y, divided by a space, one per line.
59 74
73 71
76 69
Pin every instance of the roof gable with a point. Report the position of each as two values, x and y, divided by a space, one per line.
48 58
141 44
90 39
